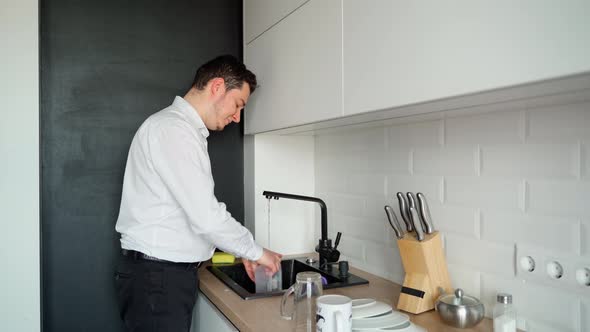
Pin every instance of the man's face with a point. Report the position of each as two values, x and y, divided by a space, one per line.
230 105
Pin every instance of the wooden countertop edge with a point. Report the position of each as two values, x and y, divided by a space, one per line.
252 315
221 306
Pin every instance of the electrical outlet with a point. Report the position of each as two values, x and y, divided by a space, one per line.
554 270
559 270
583 276
527 263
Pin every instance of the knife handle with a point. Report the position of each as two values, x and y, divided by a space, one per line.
417 226
413 203
425 213
404 212
394 222
411 200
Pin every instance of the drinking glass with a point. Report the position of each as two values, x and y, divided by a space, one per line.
306 290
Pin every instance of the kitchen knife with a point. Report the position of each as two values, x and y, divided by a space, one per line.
404 212
417 226
411 200
413 203
425 213
397 228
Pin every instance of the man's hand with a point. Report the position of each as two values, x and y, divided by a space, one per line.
270 260
250 266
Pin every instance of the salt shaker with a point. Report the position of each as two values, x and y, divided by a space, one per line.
504 314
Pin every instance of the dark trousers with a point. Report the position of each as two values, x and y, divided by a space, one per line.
156 296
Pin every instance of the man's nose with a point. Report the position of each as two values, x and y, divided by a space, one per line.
236 117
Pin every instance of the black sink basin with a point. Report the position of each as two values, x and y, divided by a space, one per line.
235 277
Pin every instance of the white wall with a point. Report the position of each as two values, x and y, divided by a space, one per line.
282 164
500 185
19 166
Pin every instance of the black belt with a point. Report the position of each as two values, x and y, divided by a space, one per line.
141 256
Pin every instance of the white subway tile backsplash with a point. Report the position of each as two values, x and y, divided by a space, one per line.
374 206
455 219
428 185
494 182
559 122
495 192
585 239
385 258
368 160
585 160
352 247
341 153
568 198
349 205
485 256
530 160
466 278
585 315
373 138
348 161
487 128
542 307
579 161
445 161
377 160
415 134
544 326
331 181
329 144
553 233
357 140
368 229
365 183
399 160
288 218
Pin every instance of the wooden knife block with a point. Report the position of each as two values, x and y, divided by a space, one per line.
426 271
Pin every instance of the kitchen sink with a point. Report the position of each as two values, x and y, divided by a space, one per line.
235 277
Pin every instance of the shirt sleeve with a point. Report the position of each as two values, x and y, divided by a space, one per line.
182 162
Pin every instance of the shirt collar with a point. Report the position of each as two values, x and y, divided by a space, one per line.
192 114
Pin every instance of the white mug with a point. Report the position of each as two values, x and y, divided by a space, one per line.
334 313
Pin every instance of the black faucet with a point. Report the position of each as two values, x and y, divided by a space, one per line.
328 254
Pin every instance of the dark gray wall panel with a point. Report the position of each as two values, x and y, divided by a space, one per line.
105 67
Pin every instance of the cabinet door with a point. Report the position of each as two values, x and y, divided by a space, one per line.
260 15
403 52
206 317
298 64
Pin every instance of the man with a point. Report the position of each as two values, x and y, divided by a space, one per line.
169 218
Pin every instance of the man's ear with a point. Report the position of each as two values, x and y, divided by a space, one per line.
217 86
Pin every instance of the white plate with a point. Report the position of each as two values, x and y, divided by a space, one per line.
369 309
406 327
357 303
390 320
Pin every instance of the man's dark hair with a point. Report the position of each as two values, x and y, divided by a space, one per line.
228 67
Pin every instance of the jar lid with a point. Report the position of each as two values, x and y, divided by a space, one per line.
504 298
308 276
459 299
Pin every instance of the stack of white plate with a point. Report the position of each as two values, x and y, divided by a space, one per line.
371 315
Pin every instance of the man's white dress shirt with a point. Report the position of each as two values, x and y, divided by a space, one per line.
168 208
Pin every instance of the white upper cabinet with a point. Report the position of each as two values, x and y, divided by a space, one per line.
403 52
260 15
298 63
